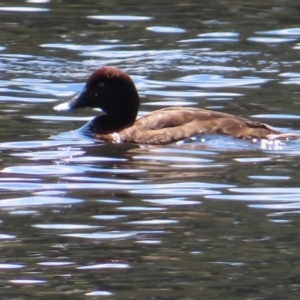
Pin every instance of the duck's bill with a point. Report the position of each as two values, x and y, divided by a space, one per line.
62 107
76 102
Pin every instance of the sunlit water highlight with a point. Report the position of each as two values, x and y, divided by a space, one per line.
209 217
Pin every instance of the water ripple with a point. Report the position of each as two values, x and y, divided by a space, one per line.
64 226
105 266
120 18
172 201
55 263
37 201
285 32
270 40
27 281
11 266
218 81
153 222
99 293
62 170
165 29
102 235
23 9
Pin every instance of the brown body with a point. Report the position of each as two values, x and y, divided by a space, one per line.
173 124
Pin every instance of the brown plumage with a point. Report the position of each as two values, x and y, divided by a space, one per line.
114 92
173 124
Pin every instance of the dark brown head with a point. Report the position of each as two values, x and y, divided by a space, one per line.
111 90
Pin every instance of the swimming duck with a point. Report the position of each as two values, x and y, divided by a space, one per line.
114 92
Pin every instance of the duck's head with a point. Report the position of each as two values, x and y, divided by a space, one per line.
109 89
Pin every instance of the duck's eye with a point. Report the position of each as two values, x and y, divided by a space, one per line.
101 84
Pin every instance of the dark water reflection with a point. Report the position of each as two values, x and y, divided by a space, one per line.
208 218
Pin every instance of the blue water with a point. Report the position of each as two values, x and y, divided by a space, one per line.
211 217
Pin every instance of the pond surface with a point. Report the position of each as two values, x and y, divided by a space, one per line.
210 218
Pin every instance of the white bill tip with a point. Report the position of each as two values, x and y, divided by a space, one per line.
62 107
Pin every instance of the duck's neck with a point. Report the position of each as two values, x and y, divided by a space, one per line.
107 124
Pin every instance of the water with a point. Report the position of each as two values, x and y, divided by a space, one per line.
211 218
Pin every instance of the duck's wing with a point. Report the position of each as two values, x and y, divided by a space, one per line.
177 123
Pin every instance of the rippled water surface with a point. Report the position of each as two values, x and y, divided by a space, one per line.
209 218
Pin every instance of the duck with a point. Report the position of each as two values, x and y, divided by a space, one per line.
114 92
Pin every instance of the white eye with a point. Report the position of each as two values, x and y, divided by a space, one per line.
101 84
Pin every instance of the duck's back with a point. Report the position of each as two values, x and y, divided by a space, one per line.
173 124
